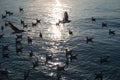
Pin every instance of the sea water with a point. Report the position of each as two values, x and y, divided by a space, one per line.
56 38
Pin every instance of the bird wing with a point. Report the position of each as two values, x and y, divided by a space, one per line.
16 30
13 27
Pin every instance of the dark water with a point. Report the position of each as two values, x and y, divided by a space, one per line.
56 38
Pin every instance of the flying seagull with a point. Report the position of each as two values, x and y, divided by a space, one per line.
65 18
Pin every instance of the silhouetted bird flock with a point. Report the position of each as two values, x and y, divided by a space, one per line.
70 56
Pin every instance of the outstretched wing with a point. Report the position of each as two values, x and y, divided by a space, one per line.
13 27
16 30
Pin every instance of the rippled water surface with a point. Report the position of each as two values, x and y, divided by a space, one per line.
56 38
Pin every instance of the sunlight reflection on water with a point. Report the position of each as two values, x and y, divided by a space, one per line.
56 33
